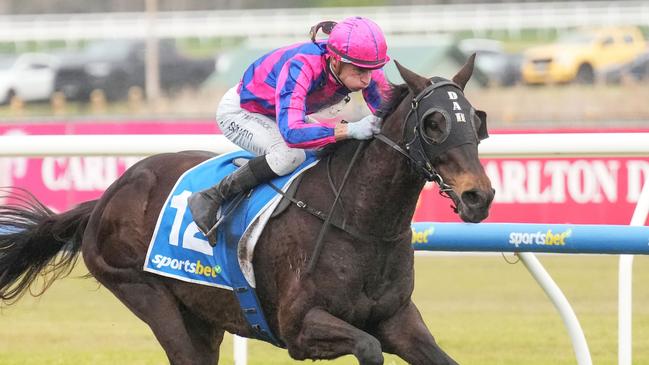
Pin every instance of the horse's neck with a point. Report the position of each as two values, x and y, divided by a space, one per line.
382 191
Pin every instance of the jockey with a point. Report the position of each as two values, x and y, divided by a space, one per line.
267 112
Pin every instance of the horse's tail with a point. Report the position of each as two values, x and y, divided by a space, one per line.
35 240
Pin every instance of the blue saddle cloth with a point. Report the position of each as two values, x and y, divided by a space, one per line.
179 250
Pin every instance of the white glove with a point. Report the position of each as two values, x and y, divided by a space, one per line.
365 128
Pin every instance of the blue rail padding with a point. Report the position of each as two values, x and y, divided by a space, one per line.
523 237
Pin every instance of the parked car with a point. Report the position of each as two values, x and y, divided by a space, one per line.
637 70
29 76
582 56
501 67
116 65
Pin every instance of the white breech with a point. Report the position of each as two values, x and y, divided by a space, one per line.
257 134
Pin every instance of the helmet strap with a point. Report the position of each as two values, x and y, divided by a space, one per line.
334 73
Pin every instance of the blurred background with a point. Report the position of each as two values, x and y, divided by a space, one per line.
559 64
161 66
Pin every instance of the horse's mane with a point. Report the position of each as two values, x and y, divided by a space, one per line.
387 107
397 93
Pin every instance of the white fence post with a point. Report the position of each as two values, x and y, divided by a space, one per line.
625 294
240 350
559 300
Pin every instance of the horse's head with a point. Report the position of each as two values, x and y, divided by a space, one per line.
440 131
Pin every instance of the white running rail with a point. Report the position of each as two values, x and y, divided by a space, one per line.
479 18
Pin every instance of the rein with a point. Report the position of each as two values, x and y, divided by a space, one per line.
414 151
334 220
430 174
330 220
323 230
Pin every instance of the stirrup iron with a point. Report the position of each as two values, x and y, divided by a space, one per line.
229 210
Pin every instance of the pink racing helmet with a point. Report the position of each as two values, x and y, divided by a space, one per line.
356 40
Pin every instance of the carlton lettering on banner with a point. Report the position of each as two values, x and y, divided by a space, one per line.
553 190
565 190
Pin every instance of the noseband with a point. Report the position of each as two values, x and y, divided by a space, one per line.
419 148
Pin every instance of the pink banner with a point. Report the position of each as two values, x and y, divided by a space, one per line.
556 190
62 182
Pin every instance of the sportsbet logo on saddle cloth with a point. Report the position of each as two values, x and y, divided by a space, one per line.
179 250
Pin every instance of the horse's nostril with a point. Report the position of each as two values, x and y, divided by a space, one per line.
472 197
477 198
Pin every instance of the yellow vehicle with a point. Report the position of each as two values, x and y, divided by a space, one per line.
580 56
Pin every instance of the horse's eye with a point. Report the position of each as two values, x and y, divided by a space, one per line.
435 127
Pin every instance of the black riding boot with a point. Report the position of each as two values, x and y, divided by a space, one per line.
205 204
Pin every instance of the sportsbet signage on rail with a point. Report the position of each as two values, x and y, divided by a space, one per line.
549 190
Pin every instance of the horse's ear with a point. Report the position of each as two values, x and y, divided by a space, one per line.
415 82
463 76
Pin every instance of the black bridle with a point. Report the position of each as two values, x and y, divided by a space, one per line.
419 149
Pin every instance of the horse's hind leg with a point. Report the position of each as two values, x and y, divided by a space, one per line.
113 250
323 336
406 336
205 337
185 339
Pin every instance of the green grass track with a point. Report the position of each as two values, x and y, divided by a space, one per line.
482 311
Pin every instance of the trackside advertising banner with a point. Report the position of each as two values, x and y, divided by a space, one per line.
547 190
578 191
62 182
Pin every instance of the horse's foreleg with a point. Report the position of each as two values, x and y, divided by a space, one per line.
406 336
323 336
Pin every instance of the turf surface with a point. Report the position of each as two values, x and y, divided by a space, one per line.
481 310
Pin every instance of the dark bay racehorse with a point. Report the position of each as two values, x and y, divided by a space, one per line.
357 300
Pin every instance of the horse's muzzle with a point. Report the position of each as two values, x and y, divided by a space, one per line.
475 203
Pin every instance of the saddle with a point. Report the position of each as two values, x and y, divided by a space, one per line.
288 196
179 250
